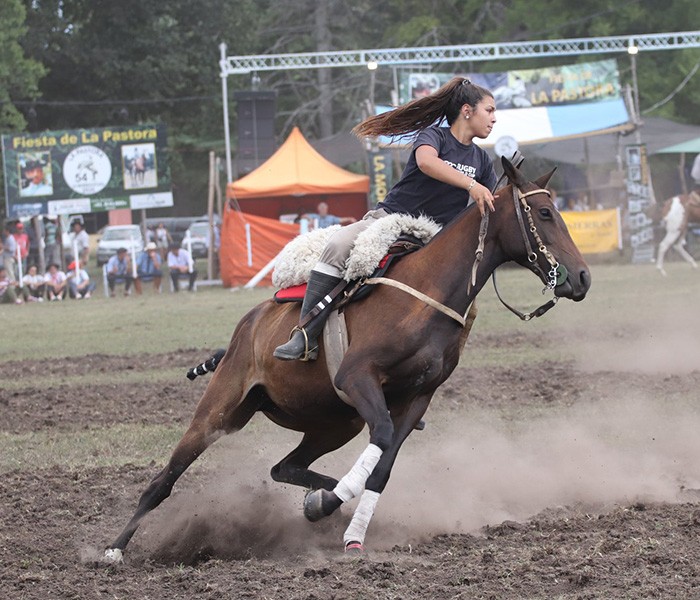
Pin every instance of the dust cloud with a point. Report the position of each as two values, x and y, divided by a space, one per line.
668 342
617 451
471 471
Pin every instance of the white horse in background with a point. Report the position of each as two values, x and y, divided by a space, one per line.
677 212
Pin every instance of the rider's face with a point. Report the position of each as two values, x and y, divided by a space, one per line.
483 117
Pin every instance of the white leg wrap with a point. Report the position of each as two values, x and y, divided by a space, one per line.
360 520
352 484
113 555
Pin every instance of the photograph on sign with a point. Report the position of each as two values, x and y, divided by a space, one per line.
139 166
35 174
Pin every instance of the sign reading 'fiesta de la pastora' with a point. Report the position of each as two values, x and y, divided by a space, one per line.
86 170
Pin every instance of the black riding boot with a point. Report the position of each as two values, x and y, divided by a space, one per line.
303 344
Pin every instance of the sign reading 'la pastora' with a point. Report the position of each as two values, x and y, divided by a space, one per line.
86 170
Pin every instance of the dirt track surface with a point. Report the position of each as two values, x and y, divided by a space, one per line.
472 516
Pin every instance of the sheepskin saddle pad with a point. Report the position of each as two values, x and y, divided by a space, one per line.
294 263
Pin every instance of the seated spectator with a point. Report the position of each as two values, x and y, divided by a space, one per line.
321 219
119 269
79 284
8 292
33 285
149 266
56 284
180 265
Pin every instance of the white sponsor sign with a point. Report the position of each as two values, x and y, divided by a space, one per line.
155 200
65 207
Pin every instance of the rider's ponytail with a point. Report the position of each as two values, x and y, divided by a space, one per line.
420 113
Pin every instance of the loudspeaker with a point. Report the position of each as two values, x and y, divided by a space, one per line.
256 129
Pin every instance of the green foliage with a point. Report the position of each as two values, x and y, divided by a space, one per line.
19 75
108 63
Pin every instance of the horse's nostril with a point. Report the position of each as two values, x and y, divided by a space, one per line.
585 279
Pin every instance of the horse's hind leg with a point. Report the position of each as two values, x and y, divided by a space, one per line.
294 468
664 245
680 248
218 412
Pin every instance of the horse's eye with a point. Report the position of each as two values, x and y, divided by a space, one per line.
545 213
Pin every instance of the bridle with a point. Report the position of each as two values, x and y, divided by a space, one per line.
557 273
556 276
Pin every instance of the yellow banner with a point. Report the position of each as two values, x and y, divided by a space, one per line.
594 231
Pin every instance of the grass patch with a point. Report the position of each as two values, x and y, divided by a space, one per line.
97 378
119 444
124 326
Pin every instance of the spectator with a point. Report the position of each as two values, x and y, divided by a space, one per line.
22 240
8 292
9 253
81 238
56 283
695 173
79 284
180 263
322 219
163 239
33 285
119 269
52 245
149 266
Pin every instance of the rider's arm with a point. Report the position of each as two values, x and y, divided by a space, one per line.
433 166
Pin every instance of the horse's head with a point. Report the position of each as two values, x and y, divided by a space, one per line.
536 236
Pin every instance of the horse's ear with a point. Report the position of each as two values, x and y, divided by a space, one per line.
543 180
514 176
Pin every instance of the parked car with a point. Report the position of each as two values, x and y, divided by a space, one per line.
198 234
118 236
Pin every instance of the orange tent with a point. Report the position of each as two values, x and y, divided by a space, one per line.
248 243
295 179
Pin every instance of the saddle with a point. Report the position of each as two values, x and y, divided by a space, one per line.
357 289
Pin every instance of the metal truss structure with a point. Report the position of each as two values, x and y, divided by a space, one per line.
236 65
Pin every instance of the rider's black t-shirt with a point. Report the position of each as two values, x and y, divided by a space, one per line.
419 194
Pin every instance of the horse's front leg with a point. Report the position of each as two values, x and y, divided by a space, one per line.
404 424
365 394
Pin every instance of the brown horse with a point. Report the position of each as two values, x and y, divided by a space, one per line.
677 213
400 350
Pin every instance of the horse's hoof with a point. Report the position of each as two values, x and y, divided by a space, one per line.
319 504
354 549
313 505
113 556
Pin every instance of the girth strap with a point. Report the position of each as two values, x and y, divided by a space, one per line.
420 295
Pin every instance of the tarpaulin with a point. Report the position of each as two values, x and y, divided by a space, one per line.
249 243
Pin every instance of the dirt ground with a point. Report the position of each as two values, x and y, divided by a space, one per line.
593 497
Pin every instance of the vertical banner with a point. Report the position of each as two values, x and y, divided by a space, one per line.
380 174
639 224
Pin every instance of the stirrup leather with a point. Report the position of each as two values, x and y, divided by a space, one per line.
306 357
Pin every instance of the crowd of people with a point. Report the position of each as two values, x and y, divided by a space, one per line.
21 281
149 267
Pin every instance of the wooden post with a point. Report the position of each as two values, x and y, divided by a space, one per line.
38 234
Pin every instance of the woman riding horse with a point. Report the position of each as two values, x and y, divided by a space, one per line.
444 164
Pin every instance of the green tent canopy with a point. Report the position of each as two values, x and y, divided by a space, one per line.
691 147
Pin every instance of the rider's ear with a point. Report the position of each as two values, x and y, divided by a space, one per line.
544 179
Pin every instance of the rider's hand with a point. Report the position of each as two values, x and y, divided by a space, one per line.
483 198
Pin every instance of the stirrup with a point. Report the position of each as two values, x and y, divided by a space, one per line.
309 353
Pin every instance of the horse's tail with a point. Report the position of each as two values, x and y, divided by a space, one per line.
207 366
